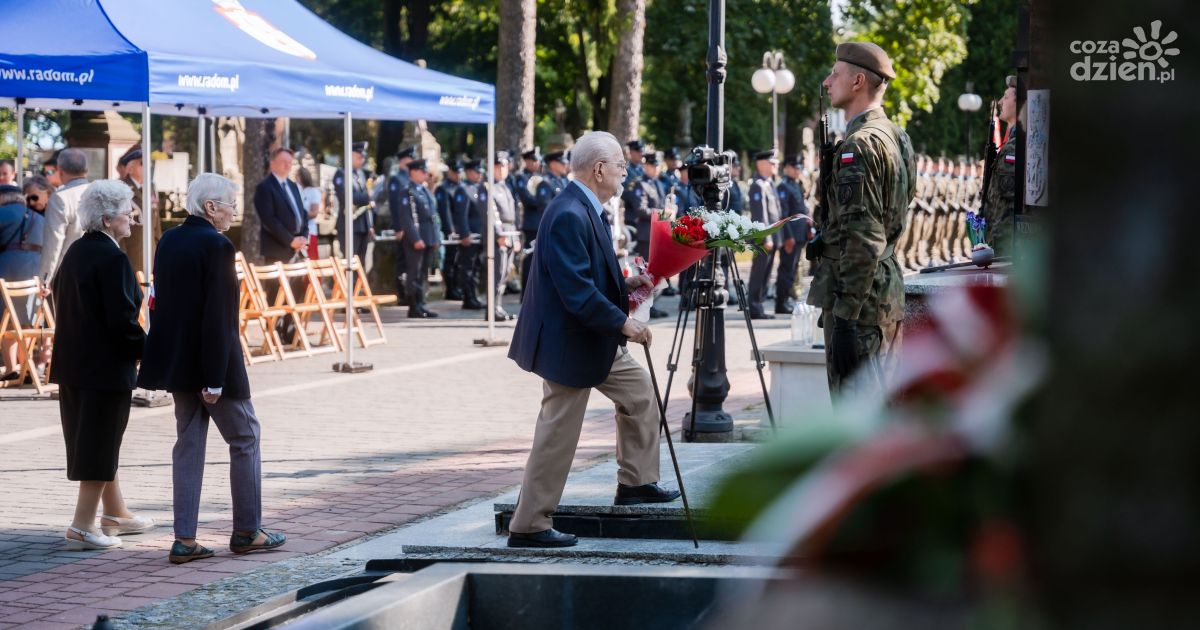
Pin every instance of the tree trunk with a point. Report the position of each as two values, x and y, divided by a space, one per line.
414 16
260 139
625 103
514 75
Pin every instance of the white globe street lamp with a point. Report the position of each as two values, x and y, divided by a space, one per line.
969 103
773 78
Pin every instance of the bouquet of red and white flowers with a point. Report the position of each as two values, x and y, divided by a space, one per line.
677 244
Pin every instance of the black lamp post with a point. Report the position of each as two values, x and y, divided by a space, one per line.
710 386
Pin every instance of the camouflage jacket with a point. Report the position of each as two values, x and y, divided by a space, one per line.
872 183
998 207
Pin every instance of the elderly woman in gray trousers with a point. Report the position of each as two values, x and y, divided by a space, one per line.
193 352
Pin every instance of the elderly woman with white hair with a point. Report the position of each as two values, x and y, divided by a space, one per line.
98 343
193 352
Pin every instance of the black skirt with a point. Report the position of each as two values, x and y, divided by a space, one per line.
93 422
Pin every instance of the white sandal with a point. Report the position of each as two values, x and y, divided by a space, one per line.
135 525
91 541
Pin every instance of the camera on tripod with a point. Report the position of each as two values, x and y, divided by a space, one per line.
709 174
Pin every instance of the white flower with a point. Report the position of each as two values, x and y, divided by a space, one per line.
744 222
733 231
712 228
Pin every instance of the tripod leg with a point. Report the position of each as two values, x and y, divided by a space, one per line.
758 361
677 340
662 414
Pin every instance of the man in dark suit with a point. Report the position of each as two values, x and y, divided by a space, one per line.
193 352
417 233
283 231
572 332
281 215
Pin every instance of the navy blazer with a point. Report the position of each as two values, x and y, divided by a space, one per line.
193 341
277 219
575 302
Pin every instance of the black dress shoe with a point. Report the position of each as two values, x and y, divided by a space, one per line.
421 313
473 305
656 313
453 295
546 538
781 309
649 493
761 315
670 291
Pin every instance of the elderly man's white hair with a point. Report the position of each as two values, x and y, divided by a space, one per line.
594 146
206 187
103 198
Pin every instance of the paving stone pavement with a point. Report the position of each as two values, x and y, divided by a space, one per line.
438 422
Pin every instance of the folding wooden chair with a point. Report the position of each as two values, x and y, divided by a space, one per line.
325 273
252 310
40 331
363 297
281 306
312 303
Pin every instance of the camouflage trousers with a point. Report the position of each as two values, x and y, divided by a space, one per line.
878 352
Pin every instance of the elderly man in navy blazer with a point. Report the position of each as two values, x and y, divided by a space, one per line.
193 352
572 332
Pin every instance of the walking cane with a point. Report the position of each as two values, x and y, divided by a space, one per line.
662 414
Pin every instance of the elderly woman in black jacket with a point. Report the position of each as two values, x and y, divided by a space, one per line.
98 344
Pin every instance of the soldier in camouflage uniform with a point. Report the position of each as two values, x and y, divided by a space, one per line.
998 207
858 284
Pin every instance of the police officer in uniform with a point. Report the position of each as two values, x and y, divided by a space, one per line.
527 181
636 150
472 216
507 242
404 156
417 233
361 207
858 284
669 177
795 234
685 199
999 206
451 199
764 207
737 197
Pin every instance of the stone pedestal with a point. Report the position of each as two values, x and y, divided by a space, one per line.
920 288
799 385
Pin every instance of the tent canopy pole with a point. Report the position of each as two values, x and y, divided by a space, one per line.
147 209
20 142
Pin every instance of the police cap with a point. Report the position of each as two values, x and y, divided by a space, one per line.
135 154
636 145
473 165
866 55
534 154
418 165
359 147
651 158
406 152
768 154
792 160
502 157
556 156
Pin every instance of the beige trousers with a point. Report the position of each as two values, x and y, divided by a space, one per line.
557 435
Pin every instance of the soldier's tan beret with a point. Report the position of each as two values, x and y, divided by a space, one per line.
866 55
1010 81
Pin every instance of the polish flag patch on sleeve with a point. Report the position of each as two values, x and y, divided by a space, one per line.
847 158
1011 158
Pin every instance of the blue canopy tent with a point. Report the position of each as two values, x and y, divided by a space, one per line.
254 58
